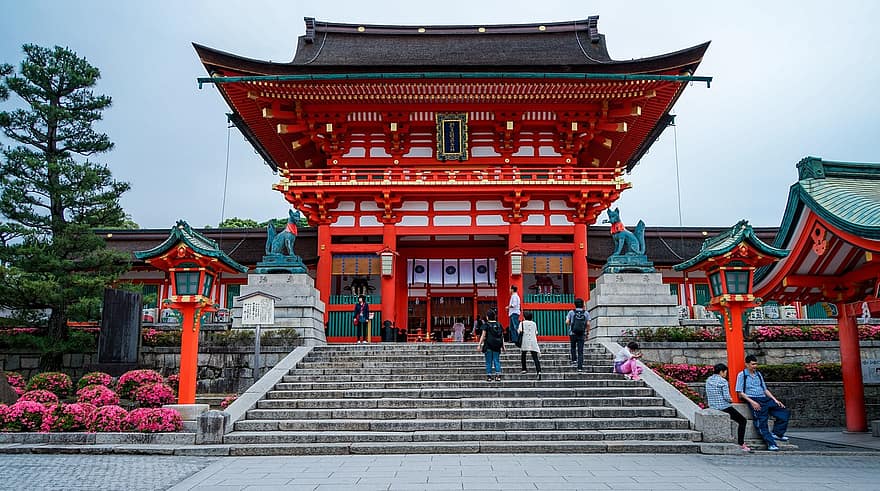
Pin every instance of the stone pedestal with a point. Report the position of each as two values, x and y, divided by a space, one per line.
300 306
630 301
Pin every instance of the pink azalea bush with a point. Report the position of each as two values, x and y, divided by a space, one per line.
23 416
67 417
153 395
39 395
108 419
129 382
154 420
16 381
868 332
55 382
793 333
228 400
98 395
683 371
173 381
95 378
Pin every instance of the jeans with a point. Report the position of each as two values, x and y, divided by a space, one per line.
513 328
493 362
770 408
740 423
360 331
577 349
522 359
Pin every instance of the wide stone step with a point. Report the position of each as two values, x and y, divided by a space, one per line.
475 376
494 391
446 372
470 363
398 403
263 437
468 447
506 424
509 381
459 413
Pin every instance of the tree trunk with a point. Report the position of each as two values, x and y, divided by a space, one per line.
58 323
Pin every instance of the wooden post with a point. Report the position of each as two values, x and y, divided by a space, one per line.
189 354
851 366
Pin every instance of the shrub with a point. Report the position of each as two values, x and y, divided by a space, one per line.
683 371
228 400
98 395
868 332
16 381
131 381
95 378
39 395
156 337
154 420
173 381
153 395
55 382
675 334
67 417
108 419
24 416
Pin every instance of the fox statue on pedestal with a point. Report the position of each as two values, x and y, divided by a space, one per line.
626 242
278 243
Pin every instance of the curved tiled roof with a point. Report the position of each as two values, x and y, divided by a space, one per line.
572 46
182 232
727 241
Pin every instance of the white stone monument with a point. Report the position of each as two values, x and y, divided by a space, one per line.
630 301
298 306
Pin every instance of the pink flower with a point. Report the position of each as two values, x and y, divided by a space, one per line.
108 419
55 382
228 400
39 395
97 395
130 381
174 381
95 378
154 420
16 381
24 416
153 395
67 417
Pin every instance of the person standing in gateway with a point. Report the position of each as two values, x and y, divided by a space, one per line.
513 312
361 316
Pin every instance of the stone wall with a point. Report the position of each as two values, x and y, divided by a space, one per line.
227 369
775 353
817 404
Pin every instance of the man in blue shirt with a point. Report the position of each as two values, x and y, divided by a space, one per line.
751 387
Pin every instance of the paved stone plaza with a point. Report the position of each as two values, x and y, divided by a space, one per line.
787 471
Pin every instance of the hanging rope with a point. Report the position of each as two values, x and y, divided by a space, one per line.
225 176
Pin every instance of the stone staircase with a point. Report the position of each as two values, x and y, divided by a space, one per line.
434 398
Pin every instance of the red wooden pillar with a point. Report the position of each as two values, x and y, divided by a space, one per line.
851 366
736 352
389 292
189 354
325 268
581 286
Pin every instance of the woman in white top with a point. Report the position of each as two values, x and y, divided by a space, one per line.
529 332
458 331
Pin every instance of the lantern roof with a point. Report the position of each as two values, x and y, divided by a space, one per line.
183 233
727 242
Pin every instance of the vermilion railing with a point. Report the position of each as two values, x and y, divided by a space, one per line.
452 175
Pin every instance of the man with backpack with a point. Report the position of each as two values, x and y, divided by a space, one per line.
492 344
578 322
751 387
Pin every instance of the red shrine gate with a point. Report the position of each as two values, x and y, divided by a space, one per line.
443 164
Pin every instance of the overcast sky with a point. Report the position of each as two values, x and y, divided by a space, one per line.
791 79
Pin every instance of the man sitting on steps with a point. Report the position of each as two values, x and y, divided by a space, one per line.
751 387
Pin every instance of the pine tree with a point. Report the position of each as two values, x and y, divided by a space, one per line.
51 195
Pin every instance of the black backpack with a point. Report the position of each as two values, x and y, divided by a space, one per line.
494 336
579 322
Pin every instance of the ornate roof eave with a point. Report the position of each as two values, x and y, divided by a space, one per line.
682 61
182 232
729 240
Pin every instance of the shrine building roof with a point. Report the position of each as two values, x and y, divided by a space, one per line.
572 46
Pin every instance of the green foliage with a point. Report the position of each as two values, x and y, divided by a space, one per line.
236 222
51 195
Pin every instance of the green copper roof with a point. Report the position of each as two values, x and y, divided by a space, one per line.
182 232
728 240
845 194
